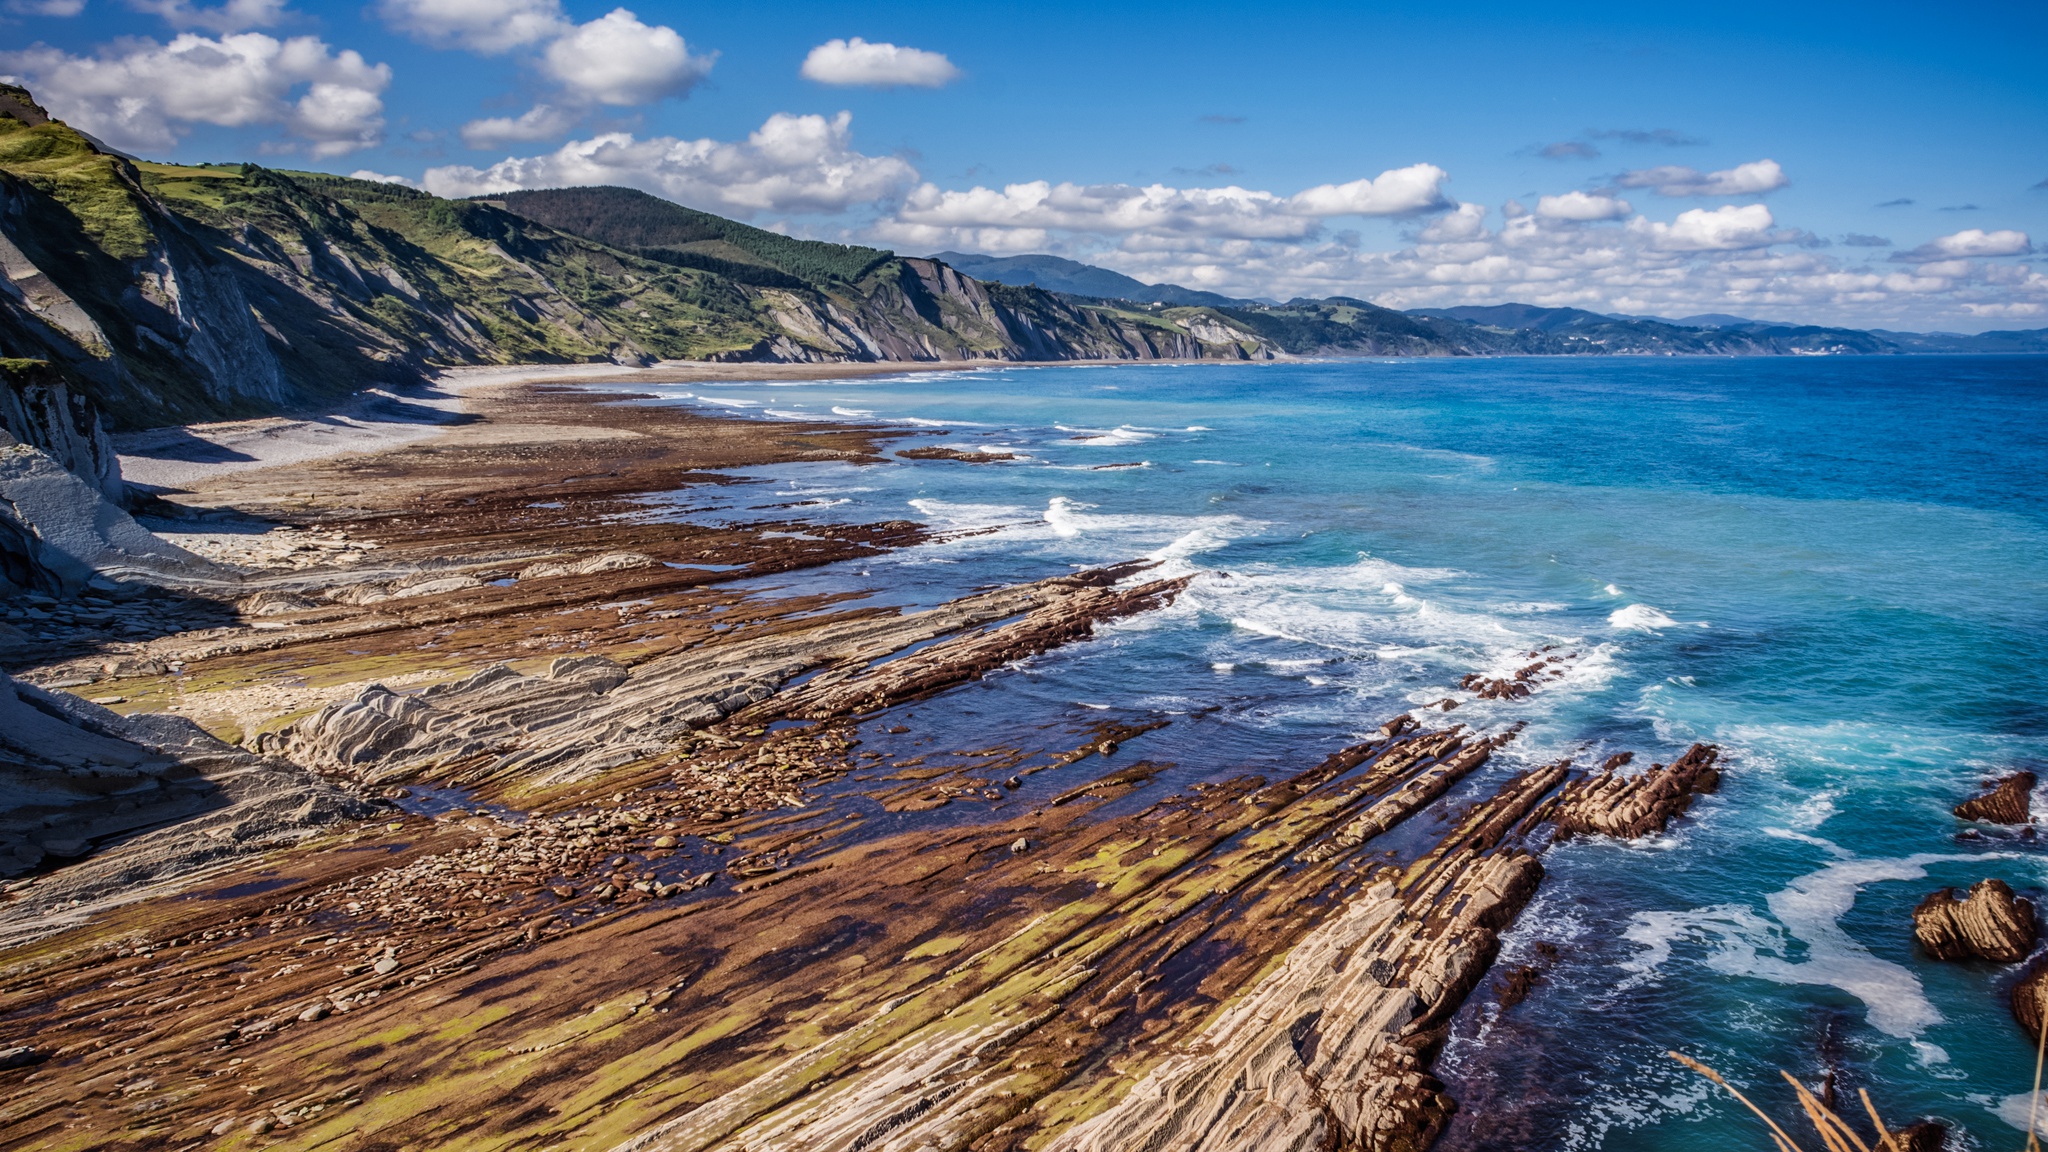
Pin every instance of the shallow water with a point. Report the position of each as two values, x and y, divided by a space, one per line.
1837 569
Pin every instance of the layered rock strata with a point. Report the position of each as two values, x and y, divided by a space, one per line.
2008 801
587 715
74 776
1629 806
1989 924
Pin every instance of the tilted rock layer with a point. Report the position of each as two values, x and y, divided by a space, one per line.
1990 924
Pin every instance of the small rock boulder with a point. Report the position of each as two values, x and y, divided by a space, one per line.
2030 997
2009 801
1989 924
1925 1136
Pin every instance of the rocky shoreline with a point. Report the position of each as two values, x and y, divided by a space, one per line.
486 806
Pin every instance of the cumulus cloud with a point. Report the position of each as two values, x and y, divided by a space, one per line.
1753 178
857 63
790 164
231 16
1723 229
1569 150
615 59
1732 261
1901 202
1862 240
540 122
932 216
1583 206
140 95
381 178
1967 244
487 26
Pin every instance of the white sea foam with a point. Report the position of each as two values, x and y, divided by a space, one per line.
733 401
1611 590
1110 438
1217 463
1743 942
837 410
1640 618
2015 1109
1061 514
947 514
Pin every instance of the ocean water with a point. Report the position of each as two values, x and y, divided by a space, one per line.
1835 569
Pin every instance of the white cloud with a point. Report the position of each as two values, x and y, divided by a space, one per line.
540 122
381 178
1727 228
931 216
616 59
487 26
857 63
232 16
1406 191
1970 242
142 95
1583 206
790 164
1751 179
60 8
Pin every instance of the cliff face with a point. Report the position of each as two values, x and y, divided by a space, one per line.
169 294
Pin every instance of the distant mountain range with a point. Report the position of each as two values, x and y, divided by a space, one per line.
1059 274
1340 324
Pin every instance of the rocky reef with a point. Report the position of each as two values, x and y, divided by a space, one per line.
1990 923
508 820
2009 800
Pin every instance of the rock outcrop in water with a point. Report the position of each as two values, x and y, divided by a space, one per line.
616 914
2030 998
1627 807
1989 924
2008 801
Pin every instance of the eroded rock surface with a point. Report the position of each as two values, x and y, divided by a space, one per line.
170 798
1989 924
1626 807
2009 801
2030 998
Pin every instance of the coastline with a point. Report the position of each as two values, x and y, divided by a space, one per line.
181 456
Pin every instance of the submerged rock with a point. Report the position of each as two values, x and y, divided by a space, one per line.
1990 924
1925 1136
2009 801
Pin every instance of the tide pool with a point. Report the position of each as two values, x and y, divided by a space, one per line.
1836 569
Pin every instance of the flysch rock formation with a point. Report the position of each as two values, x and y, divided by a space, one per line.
1612 804
39 409
2029 998
1990 923
615 914
2007 801
61 534
156 795
587 715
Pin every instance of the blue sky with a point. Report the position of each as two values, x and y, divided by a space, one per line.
1867 164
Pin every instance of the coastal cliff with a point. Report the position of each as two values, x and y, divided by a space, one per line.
173 293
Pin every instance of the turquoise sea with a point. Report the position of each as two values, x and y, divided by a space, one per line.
1836 569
